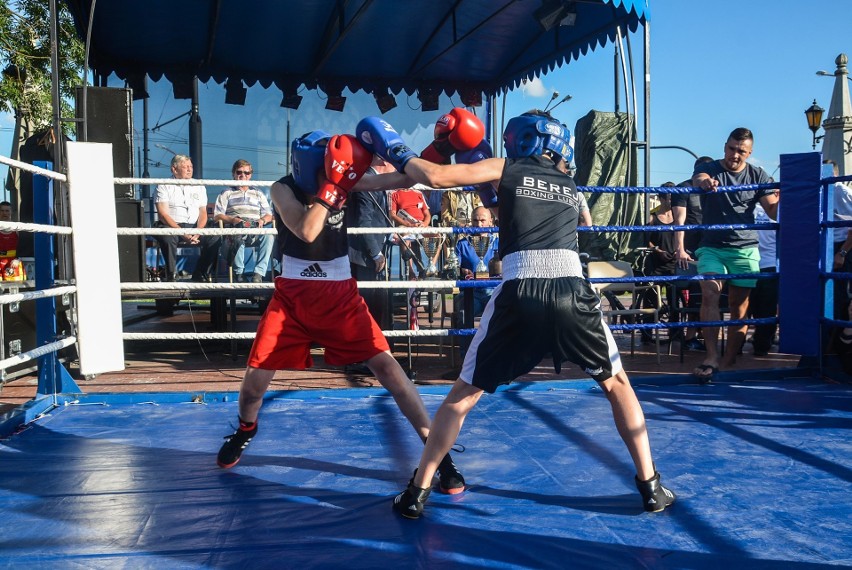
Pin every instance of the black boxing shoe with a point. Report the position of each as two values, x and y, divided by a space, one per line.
450 480
655 497
410 502
232 449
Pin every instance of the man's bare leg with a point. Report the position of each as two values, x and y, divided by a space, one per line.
255 383
630 422
254 386
710 293
738 305
393 378
445 429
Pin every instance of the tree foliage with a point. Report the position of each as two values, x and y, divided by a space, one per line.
25 59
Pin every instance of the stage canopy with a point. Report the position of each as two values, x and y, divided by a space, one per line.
450 46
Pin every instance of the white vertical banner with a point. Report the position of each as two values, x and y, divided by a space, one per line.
95 251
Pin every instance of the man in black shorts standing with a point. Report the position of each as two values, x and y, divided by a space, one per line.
538 215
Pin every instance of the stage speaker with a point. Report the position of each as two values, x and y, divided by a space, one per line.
110 120
131 249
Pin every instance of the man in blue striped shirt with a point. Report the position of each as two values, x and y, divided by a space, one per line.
246 207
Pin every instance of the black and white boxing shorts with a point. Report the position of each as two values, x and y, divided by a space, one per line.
543 306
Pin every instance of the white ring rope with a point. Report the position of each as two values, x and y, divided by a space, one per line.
194 286
427 284
41 294
232 287
400 230
194 182
251 335
268 231
188 336
195 231
24 227
38 352
34 169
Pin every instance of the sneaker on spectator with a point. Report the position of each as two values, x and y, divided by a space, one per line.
695 344
256 278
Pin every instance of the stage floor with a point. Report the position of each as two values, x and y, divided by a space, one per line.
763 470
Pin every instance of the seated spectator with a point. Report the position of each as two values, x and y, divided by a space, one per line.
245 207
763 299
457 207
408 208
661 259
185 207
11 268
844 343
842 238
687 211
468 261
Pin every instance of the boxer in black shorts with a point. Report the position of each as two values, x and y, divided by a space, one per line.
544 305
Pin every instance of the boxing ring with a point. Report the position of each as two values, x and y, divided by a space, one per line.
761 461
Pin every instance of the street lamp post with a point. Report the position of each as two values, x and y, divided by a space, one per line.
838 124
814 116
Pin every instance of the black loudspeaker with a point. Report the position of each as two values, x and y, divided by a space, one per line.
131 249
110 120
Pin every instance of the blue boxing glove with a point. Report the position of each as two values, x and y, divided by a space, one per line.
380 138
486 190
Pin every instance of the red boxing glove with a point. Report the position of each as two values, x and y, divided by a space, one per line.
456 131
346 161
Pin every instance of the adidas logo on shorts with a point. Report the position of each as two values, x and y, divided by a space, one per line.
314 270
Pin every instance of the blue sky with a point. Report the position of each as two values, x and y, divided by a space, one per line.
715 65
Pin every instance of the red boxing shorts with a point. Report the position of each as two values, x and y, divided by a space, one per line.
330 313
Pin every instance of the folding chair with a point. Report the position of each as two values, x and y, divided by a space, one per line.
625 299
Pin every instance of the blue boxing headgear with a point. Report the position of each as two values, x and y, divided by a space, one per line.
307 155
531 134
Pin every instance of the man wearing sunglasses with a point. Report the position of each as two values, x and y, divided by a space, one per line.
245 207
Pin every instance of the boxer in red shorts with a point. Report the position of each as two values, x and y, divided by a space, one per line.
316 299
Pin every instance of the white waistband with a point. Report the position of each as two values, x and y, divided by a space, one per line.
332 270
542 263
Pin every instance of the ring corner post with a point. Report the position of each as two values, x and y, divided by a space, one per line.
91 197
53 378
799 248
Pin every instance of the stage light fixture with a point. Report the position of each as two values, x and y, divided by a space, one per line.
428 99
235 92
335 102
386 101
137 86
182 88
471 97
291 100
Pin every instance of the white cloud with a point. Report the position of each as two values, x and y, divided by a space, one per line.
535 88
